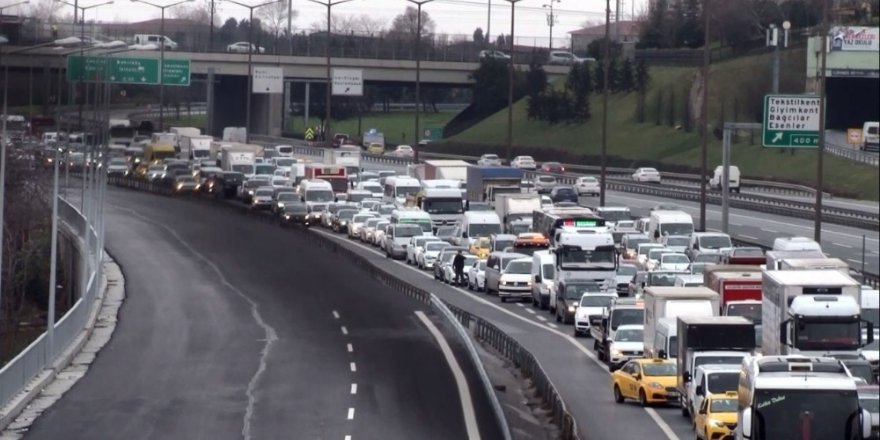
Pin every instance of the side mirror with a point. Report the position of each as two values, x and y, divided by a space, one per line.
696 246
745 422
699 390
662 354
783 332
605 322
703 410
686 376
537 278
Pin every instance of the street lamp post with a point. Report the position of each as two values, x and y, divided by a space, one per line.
551 19
162 55
3 135
510 81
329 4
251 48
606 66
704 139
419 4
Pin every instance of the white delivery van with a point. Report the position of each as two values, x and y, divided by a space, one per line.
158 40
543 274
871 136
796 244
717 180
669 223
479 224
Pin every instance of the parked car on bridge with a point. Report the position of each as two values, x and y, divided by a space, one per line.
493 55
242 47
565 57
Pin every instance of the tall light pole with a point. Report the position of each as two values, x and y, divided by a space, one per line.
162 55
704 140
510 81
551 19
817 226
3 135
416 136
488 23
606 66
329 4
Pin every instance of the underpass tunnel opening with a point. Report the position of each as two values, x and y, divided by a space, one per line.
851 102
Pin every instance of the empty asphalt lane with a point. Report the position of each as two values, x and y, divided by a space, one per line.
404 388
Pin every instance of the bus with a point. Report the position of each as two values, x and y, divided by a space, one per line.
550 220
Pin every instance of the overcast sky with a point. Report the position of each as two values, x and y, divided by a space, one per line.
451 16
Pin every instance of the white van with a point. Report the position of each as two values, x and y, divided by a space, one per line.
543 274
796 244
155 39
479 224
665 339
669 223
284 150
398 187
717 180
871 136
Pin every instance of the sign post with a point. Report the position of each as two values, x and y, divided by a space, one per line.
791 121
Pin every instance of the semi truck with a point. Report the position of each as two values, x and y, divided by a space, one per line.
195 147
709 340
812 312
737 285
798 397
446 170
241 158
516 211
622 311
443 204
671 302
485 183
774 258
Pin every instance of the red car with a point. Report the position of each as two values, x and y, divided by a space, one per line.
552 167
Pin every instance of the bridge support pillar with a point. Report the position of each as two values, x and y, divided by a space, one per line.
266 113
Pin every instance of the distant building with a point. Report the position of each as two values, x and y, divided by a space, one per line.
628 34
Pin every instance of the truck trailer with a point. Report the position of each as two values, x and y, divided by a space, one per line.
516 211
485 183
671 302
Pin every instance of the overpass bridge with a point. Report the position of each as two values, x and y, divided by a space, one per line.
228 73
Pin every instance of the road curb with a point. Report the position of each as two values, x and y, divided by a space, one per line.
42 391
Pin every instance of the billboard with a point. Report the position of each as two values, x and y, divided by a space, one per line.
855 39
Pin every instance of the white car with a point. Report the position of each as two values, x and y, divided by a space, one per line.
379 235
564 57
416 245
372 187
590 310
515 281
545 183
488 160
546 202
280 182
587 185
368 229
650 175
524 162
628 342
403 151
242 47
493 55
476 276
674 261
357 222
156 172
426 258
449 274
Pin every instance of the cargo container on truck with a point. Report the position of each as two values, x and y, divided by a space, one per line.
235 134
735 284
335 175
812 312
797 397
485 183
708 340
446 169
181 132
814 264
241 158
516 211
195 148
347 156
671 302
774 258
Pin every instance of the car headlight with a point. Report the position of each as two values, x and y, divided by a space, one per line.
616 353
179 186
343 223
572 308
286 216
281 205
656 385
717 423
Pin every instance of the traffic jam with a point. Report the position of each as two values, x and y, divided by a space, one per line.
745 342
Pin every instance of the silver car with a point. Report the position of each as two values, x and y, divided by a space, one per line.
425 259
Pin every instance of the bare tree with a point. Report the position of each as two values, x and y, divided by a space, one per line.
274 18
199 12
407 23
46 11
352 24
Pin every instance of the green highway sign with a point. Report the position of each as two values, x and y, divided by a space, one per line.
128 70
791 121
176 72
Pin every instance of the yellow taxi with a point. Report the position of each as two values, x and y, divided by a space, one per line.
481 247
649 381
716 418
376 148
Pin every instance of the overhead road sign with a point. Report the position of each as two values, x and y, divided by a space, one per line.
791 121
348 82
176 72
121 70
267 80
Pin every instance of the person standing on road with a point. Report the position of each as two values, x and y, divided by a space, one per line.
458 267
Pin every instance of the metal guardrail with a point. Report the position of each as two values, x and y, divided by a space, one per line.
853 154
38 356
170 111
482 329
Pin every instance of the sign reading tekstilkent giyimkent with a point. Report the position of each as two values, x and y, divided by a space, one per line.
791 121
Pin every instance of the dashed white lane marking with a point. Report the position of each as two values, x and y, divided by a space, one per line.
854 261
464 392
350 348
344 330
530 311
335 314
552 325
846 246
520 305
350 414
353 367
348 437
748 237
541 318
354 388
769 230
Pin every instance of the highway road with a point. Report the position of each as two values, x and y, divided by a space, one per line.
234 328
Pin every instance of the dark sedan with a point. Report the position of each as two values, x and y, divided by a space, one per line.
564 194
294 214
552 167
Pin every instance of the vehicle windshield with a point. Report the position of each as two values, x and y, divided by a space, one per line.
446 257
661 279
360 218
284 162
518 228
723 405
643 250
659 369
483 230
747 252
548 271
577 290
402 191
677 241
445 231
708 258
863 371
715 242
157 167
346 214
518 267
296 208
633 243
187 179
673 347
264 192
357 197
675 259
443 206
319 195
819 334
386 210
627 270
676 228
750 311
286 196
435 246
629 335
407 231
569 256
265 169
805 414
871 402
595 301
698 268
318 208
722 382
717 360
529 248
654 254
501 244
372 187
423 223
627 316
615 215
